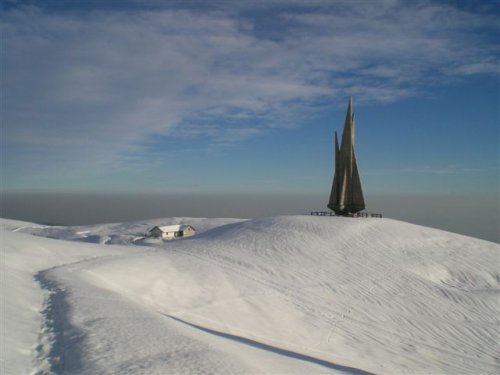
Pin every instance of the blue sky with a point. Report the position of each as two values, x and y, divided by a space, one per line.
198 96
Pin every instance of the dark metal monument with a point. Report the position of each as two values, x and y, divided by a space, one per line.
346 197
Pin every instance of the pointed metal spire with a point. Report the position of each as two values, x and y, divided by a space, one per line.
346 196
334 194
348 115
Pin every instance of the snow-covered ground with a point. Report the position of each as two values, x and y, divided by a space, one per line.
288 295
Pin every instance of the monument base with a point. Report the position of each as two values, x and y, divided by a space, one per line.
357 214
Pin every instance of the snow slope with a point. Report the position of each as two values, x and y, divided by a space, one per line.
23 256
292 294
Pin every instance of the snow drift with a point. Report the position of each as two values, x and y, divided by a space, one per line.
292 294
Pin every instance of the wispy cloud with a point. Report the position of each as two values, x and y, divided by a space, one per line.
88 87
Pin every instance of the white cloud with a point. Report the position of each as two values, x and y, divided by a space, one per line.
92 86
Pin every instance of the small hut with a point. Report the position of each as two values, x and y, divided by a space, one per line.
172 231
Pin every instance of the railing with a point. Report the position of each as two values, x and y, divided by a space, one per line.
357 214
323 213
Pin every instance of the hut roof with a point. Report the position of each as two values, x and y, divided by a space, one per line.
172 228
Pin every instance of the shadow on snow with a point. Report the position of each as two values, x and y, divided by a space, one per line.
284 352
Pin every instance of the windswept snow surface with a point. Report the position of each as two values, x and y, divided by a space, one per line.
292 294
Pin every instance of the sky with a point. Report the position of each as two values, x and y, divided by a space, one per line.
244 96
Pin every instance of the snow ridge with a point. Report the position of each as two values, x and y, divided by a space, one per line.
280 351
291 294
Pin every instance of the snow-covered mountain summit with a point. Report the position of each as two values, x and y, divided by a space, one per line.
291 294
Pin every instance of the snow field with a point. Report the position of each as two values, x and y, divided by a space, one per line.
22 298
293 294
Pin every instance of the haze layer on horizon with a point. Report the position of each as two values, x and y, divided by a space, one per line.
476 217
